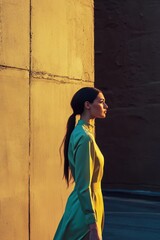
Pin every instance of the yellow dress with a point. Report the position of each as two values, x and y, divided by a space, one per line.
85 203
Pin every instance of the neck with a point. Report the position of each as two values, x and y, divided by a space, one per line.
87 119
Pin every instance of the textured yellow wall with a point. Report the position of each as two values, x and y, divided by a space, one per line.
46 55
14 115
14 134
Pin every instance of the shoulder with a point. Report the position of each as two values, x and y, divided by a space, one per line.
79 135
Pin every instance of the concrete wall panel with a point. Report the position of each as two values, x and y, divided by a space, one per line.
14 141
50 111
14 33
53 41
63 45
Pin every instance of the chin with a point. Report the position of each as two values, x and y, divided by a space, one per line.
102 116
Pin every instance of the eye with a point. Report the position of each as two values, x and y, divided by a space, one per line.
102 101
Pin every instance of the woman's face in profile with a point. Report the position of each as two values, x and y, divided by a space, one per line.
98 109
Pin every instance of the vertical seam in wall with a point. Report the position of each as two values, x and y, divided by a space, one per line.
1 29
30 73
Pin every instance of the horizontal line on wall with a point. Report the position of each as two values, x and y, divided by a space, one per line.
49 76
57 78
12 67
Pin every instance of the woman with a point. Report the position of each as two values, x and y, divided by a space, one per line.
84 213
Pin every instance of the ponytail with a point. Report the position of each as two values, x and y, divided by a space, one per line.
70 127
77 104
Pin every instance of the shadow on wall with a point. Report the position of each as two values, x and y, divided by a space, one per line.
127 55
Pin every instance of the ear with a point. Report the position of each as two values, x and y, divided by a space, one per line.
87 105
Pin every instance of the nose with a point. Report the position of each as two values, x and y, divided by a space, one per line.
105 106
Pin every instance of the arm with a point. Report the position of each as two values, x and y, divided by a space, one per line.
84 165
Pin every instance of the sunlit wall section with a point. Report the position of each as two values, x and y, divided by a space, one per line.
14 115
62 62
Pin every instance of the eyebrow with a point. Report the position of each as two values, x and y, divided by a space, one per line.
102 99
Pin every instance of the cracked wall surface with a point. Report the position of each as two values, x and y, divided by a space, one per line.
46 55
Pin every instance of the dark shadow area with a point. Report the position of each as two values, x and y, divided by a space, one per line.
127 57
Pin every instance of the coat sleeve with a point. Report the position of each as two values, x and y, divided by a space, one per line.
84 165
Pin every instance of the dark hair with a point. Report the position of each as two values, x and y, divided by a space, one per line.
77 103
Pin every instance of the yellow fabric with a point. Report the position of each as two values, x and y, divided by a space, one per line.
85 203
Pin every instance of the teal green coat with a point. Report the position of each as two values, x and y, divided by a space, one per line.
85 203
